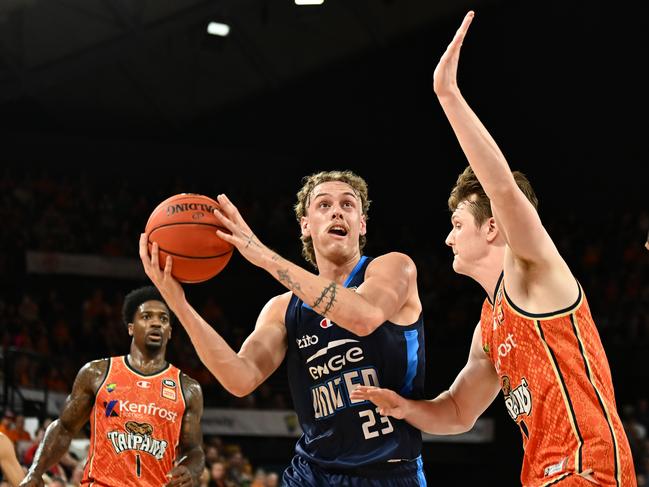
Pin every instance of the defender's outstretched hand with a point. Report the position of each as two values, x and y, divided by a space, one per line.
389 402
241 236
445 76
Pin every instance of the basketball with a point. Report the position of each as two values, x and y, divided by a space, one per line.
184 226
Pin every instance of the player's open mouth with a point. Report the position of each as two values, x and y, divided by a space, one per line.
338 230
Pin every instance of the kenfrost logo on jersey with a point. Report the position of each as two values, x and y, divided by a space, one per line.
110 408
326 323
138 437
519 400
306 341
151 409
503 350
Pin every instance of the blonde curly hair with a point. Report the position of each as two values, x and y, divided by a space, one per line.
356 182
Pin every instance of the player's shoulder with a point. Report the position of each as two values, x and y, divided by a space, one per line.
278 304
96 367
188 380
391 259
191 388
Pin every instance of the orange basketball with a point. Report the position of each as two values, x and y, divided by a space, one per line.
184 226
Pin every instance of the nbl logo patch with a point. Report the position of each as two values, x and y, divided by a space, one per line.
169 389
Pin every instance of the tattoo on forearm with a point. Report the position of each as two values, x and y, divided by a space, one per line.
328 295
286 279
275 258
251 240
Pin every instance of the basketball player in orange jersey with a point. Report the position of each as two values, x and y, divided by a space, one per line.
536 339
9 466
144 413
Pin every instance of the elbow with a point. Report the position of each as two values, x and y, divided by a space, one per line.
364 324
241 386
466 425
240 390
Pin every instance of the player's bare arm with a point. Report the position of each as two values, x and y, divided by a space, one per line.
453 411
9 465
240 373
538 278
191 458
74 415
387 289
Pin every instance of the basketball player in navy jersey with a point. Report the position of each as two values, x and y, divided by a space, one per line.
358 321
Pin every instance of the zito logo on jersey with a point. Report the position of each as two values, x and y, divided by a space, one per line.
137 437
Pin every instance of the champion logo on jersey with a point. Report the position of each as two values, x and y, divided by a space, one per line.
110 408
326 323
111 387
143 384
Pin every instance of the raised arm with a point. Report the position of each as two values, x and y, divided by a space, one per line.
74 415
453 411
191 459
516 216
11 469
262 352
390 285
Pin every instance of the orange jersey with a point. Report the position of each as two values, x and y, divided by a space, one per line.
557 386
135 427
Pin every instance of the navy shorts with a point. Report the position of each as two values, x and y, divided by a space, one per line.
302 473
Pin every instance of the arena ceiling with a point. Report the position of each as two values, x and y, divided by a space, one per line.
151 63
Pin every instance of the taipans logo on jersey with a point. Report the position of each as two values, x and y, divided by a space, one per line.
519 400
138 437
143 384
110 408
111 387
169 389
326 323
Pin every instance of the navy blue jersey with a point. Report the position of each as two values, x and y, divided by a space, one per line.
325 362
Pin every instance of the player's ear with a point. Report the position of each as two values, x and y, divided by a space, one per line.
492 229
304 225
363 225
130 329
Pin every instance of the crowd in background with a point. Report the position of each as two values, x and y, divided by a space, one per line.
51 325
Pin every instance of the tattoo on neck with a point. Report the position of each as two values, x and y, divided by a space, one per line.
328 293
286 279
